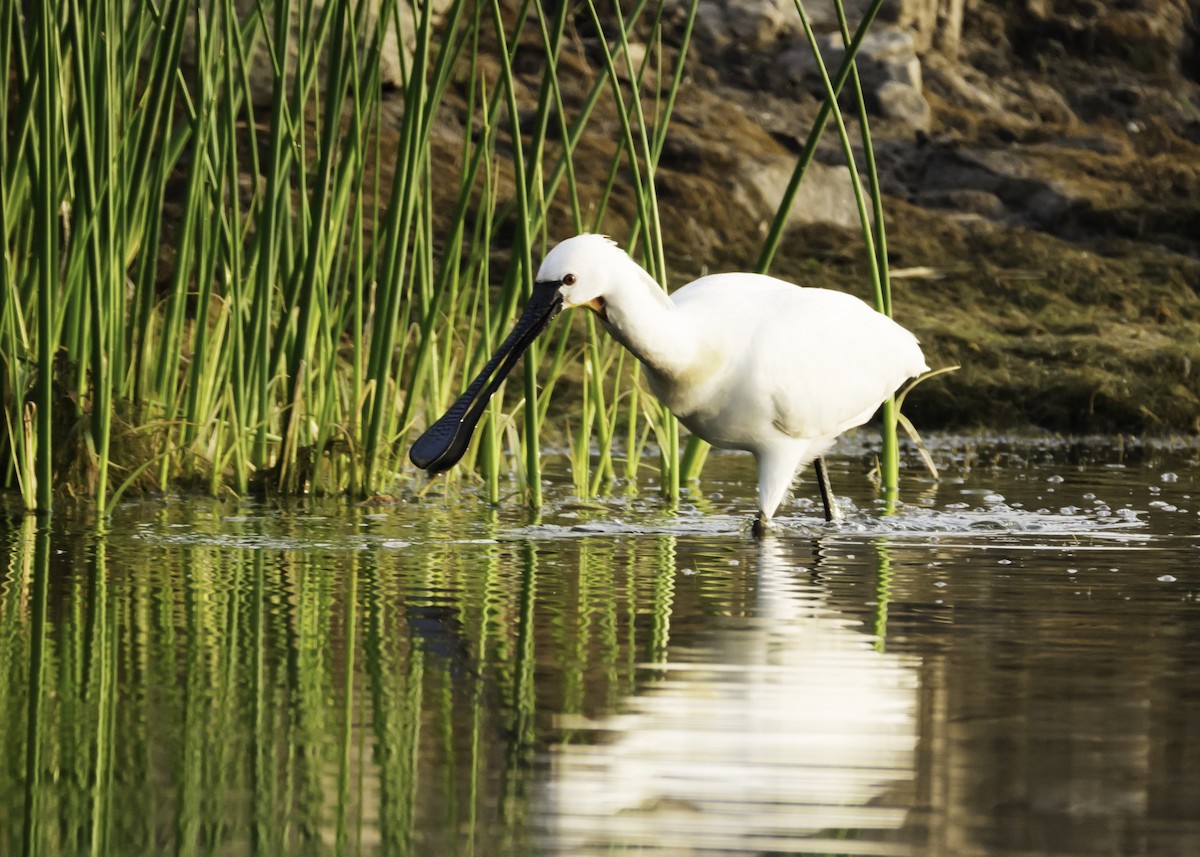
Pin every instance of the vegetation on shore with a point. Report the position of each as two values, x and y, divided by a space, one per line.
213 285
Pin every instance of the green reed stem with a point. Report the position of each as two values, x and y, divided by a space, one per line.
847 148
828 106
47 247
648 222
881 280
262 302
523 257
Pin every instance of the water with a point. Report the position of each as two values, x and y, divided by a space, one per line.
1010 665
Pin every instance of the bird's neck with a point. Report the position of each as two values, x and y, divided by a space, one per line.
641 317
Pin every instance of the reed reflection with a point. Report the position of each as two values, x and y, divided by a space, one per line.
782 731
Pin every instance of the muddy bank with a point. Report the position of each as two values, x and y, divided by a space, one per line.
1042 169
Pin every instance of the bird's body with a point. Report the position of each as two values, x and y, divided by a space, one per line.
778 370
745 361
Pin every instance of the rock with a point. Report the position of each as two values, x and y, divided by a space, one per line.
896 100
1098 143
887 64
1147 35
825 194
1030 182
711 32
934 24
756 24
967 201
791 69
951 82
886 53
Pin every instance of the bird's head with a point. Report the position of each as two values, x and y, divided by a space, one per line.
578 272
583 269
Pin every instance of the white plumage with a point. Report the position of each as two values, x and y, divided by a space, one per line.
745 361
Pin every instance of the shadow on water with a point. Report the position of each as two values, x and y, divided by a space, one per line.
1006 666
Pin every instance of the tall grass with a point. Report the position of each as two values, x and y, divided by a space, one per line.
214 278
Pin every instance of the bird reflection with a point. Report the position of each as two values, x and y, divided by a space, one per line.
786 730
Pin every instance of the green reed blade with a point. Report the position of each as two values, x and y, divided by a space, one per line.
881 281
268 250
775 232
421 97
312 285
46 208
642 151
522 266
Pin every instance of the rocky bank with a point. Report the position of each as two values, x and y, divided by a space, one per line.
1041 161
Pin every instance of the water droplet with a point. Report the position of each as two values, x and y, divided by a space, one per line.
1169 477
1166 578
940 584
1056 479
1089 496
994 498
1072 571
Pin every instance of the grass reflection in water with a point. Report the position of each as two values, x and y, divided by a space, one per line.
1008 659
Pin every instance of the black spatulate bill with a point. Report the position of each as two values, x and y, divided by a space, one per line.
445 442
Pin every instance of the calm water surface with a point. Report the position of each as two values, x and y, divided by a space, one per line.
1009 665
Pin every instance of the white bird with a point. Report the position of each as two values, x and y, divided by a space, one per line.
744 361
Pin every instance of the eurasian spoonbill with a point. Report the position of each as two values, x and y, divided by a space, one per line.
745 361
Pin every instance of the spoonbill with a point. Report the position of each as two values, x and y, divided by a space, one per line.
744 361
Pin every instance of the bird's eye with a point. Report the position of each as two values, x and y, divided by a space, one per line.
569 280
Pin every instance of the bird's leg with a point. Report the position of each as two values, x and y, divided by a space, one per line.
760 525
832 511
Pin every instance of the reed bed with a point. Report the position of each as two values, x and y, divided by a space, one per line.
214 278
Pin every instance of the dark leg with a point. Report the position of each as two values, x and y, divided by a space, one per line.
832 512
759 527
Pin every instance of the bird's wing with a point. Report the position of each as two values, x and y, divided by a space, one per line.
811 362
833 363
